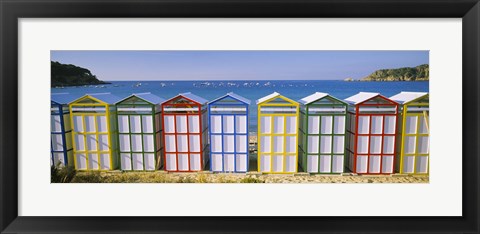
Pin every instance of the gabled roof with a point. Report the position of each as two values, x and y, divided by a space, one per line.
270 96
312 98
190 96
405 97
104 97
149 97
61 98
233 95
361 97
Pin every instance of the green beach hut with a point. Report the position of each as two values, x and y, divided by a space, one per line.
139 132
322 133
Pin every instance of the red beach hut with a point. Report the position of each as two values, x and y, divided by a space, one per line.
185 132
371 133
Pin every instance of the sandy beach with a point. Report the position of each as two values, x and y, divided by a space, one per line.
250 177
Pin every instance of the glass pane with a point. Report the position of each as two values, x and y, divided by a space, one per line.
181 123
390 124
147 124
148 143
241 124
216 124
91 142
326 122
421 166
228 125
241 144
90 123
291 125
338 144
337 164
80 142
339 122
423 128
312 163
325 144
313 144
265 144
278 144
182 143
377 124
57 142
193 124
136 143
123 124
102 123
55 123
77 124
374 164
265 124
423 145
408 162
363 124
362 144
169 122
325 163
103 142
388 144
216 142
278 124
410 144
194 141
124 142
135 125
313 124
291 146
375 144
411 125
228 143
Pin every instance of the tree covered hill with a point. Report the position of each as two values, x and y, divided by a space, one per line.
418 73
71 75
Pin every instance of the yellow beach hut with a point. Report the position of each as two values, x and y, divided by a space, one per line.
94 132
414 133
277 134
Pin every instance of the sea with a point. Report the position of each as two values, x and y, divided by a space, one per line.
253 90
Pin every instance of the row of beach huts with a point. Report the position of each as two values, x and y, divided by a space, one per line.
365 134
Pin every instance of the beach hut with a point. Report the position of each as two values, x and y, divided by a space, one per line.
277 134
61 149
139 132
94 132
414 133
371 133
185 132
322 133
228 133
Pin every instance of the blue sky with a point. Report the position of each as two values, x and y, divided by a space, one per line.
237 65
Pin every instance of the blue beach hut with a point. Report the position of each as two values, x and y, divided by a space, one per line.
228 133
61 150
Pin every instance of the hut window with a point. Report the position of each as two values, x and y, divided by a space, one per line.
422 164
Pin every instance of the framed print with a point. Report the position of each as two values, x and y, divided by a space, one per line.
277 116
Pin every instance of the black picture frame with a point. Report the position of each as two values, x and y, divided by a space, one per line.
11 11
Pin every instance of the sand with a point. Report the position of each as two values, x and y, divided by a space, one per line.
250 177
